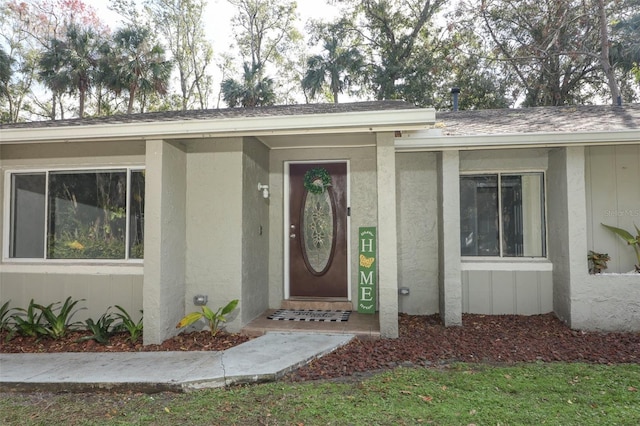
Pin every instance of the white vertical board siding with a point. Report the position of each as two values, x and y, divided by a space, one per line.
503 292
99 291
613 197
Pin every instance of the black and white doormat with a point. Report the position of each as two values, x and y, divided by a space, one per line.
310 315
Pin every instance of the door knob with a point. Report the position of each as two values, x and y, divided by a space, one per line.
292 235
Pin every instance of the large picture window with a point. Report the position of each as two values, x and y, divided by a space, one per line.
502 214
77 214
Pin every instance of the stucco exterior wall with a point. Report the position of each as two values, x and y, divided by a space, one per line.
417 217
613 198
449 272
214 225
363 201
503 160
606 303
558 226
387 236
165 241
255 232
102 284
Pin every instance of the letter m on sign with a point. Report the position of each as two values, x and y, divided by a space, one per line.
367 270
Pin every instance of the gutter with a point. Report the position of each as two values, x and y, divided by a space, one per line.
413 143
332 123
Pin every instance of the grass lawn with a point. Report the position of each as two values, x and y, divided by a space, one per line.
460 394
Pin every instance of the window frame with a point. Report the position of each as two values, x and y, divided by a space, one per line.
6 226
500 257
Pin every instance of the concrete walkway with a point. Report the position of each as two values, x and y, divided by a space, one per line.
262 359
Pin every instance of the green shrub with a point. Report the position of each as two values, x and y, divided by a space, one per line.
101 330
214 319
5 318
28 322
127 323
629 238
58 320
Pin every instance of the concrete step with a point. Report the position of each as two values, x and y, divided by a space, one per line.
315 304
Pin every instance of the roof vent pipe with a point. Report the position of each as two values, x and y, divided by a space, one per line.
455 91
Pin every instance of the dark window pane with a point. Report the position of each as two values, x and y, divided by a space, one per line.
479 215
27 215
87 215
523 225
136 215
512 216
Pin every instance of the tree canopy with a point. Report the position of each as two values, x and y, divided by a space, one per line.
58 59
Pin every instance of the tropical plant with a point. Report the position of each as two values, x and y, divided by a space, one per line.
630 239
214 319
28 322
127 323
141 68
5 318
253 91
597 261
51 64
337 66
58 323
101 330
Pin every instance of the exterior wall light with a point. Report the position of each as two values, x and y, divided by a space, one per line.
264 189
200 299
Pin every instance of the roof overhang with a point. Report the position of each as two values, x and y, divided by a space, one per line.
433 141
327 123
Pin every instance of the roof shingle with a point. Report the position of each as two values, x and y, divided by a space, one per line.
565 119
209 114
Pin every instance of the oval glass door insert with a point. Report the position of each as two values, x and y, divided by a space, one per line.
318 230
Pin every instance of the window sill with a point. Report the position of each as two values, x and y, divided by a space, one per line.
91 267
502 264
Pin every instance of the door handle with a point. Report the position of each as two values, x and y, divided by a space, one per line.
292 235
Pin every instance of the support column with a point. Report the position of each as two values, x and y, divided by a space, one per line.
450 275
567 223
387 235
164 245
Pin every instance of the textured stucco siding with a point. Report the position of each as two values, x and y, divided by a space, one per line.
417 215
165 240
387 236
558 225
606 303
255 232
506 160
449 285
214 225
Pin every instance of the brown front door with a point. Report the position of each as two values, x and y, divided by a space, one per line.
318 230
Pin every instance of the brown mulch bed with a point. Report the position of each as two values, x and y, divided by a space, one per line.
423 341
194 341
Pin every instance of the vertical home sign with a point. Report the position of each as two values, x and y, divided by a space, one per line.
367 277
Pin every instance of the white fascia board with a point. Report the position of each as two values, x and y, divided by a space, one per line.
348 122
416 142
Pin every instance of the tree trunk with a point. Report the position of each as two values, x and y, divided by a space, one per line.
604 54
